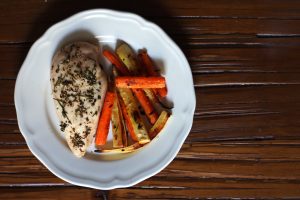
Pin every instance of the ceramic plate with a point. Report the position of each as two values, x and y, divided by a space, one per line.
36 112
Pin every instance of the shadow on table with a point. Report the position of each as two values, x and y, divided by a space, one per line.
153 10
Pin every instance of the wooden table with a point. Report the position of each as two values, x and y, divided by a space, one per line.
245 59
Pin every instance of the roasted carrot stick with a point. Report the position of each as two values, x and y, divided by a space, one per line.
103 124
115 61
127 119
162 92
140 82
146 105
148 64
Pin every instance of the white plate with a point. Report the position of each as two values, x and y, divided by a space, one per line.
38 121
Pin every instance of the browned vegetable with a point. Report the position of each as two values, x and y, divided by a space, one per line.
140 82
139 131
103 124
128 149
127 56
118 128
146 105
159 124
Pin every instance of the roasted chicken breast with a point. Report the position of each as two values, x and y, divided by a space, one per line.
78 88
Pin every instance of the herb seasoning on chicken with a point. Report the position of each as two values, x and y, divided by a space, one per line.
78 85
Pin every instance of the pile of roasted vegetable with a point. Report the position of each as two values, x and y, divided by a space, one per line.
132 103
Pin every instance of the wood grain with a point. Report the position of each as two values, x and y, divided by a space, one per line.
245 139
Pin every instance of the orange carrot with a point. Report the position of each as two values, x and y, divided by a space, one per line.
127 120
162 92
103 124
146 105
140 82
116 62
148 64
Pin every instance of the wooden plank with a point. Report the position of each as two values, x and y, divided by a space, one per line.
221 160
176 28
246 79
7 113
235 41
12 57
270 172
189 189
156 189
9 128
191 8
29 179
7 92
30 24
17 150
249 128
209 190
247 60
262 96
239 26
239 151
49 193
12 139
207 180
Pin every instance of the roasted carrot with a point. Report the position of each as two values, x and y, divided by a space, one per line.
140 82
162 92
146 105
103 124
114 59
127 119
148 64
